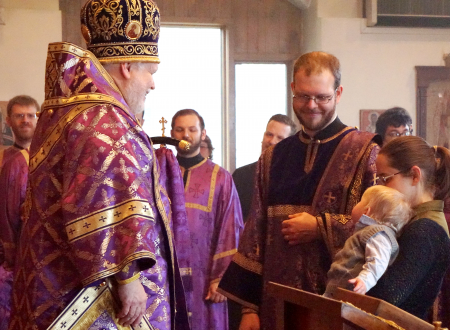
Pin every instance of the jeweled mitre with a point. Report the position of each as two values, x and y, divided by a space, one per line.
121 30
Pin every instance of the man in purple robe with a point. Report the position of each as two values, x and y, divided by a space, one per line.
95 211
21 117
306 187
13 180
214 220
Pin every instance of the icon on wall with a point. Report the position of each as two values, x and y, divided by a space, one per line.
368 119
6 135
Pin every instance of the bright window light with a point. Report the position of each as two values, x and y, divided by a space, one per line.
189 77
260 94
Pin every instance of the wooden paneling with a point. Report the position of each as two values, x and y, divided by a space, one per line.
259 27
71 26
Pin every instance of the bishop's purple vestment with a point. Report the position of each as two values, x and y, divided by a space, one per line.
13 183
95 208
172 183
215 223
324 176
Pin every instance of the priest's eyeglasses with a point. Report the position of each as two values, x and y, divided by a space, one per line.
383 180
321 99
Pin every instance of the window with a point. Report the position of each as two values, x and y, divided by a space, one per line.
189 77
260 94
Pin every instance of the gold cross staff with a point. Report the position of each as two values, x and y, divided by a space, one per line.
163 121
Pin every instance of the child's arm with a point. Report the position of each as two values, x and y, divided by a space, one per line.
377 254
360 286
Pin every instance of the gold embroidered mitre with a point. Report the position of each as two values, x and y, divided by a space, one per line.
121 30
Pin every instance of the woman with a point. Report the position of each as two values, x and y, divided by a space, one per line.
422 173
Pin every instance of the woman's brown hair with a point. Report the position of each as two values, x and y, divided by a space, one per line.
405 152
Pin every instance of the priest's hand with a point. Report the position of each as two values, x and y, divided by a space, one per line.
213 295
134 300
300 228
249 322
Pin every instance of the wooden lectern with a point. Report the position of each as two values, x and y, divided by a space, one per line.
298 309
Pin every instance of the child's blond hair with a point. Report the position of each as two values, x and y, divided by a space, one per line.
387 206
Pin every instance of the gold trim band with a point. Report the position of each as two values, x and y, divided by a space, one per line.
82 98
87 306
248 264
50 141
212 189
25 155
307 141
285 210
224 254
113 270
107 218
128 280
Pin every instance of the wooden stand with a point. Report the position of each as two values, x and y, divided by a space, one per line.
297 309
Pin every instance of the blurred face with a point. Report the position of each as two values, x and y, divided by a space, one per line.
394 132
399 181
275 132
359 210
314 117
139 85
22 122
373 118
188 128
204 150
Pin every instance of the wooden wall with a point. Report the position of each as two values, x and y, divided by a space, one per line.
260 29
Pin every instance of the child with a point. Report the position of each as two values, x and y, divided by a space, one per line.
381 214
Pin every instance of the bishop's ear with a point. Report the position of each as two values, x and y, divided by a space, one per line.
125 70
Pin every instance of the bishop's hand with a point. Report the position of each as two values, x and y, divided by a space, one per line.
133 299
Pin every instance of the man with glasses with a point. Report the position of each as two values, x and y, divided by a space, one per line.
306 187
21 117
393 123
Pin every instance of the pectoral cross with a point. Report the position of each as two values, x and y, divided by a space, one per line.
163 121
